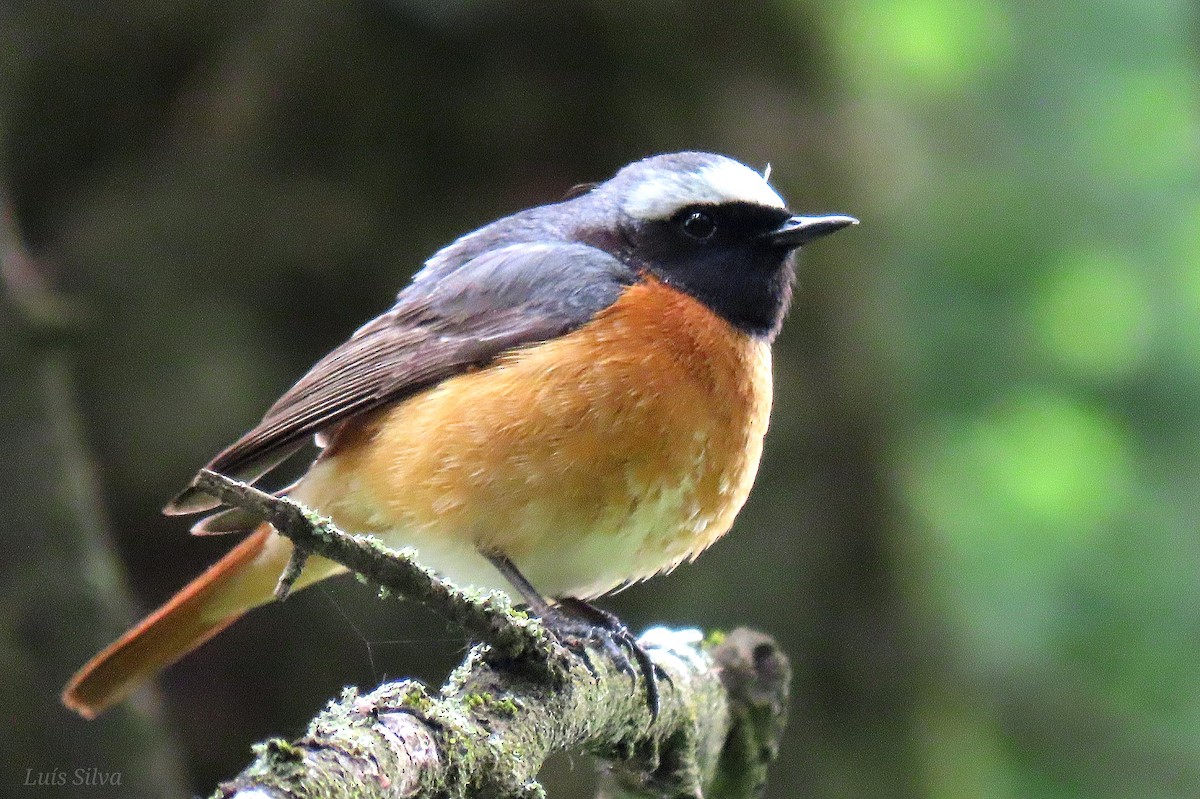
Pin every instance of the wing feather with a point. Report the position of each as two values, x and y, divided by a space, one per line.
503 299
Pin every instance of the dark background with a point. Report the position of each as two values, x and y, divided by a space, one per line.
975 528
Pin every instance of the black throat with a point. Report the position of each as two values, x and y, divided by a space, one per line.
734 271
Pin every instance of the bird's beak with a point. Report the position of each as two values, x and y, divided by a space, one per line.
799 230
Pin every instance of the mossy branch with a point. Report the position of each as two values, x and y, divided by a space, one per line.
518 698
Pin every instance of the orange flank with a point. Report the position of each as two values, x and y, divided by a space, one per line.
592 460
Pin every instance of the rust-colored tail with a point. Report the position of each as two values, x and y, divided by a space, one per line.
238 582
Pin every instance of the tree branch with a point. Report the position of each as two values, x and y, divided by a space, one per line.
518 698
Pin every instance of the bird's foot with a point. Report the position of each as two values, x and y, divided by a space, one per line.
577 623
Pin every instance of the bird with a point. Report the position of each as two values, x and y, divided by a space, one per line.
566 401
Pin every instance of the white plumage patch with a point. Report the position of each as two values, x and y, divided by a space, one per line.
725 181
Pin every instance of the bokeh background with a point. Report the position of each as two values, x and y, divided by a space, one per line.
975 530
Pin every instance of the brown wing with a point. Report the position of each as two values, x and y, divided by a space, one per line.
511 297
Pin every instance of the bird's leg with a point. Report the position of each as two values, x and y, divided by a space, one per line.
574 622
537 603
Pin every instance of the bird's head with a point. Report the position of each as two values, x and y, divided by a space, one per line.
709 226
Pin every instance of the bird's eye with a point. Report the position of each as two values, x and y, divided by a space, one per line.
698 225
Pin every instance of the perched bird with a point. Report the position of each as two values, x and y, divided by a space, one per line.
567 400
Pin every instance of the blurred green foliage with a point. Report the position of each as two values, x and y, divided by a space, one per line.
975 530
1040 167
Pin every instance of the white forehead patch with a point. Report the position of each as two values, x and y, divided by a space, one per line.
722 182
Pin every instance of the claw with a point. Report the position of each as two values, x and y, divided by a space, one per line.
576 622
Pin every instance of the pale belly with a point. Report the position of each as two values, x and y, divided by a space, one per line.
586 461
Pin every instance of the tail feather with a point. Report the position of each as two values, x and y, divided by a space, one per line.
229 520
238 582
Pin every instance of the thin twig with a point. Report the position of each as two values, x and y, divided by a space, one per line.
291 572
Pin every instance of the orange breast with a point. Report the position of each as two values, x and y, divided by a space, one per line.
598 458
